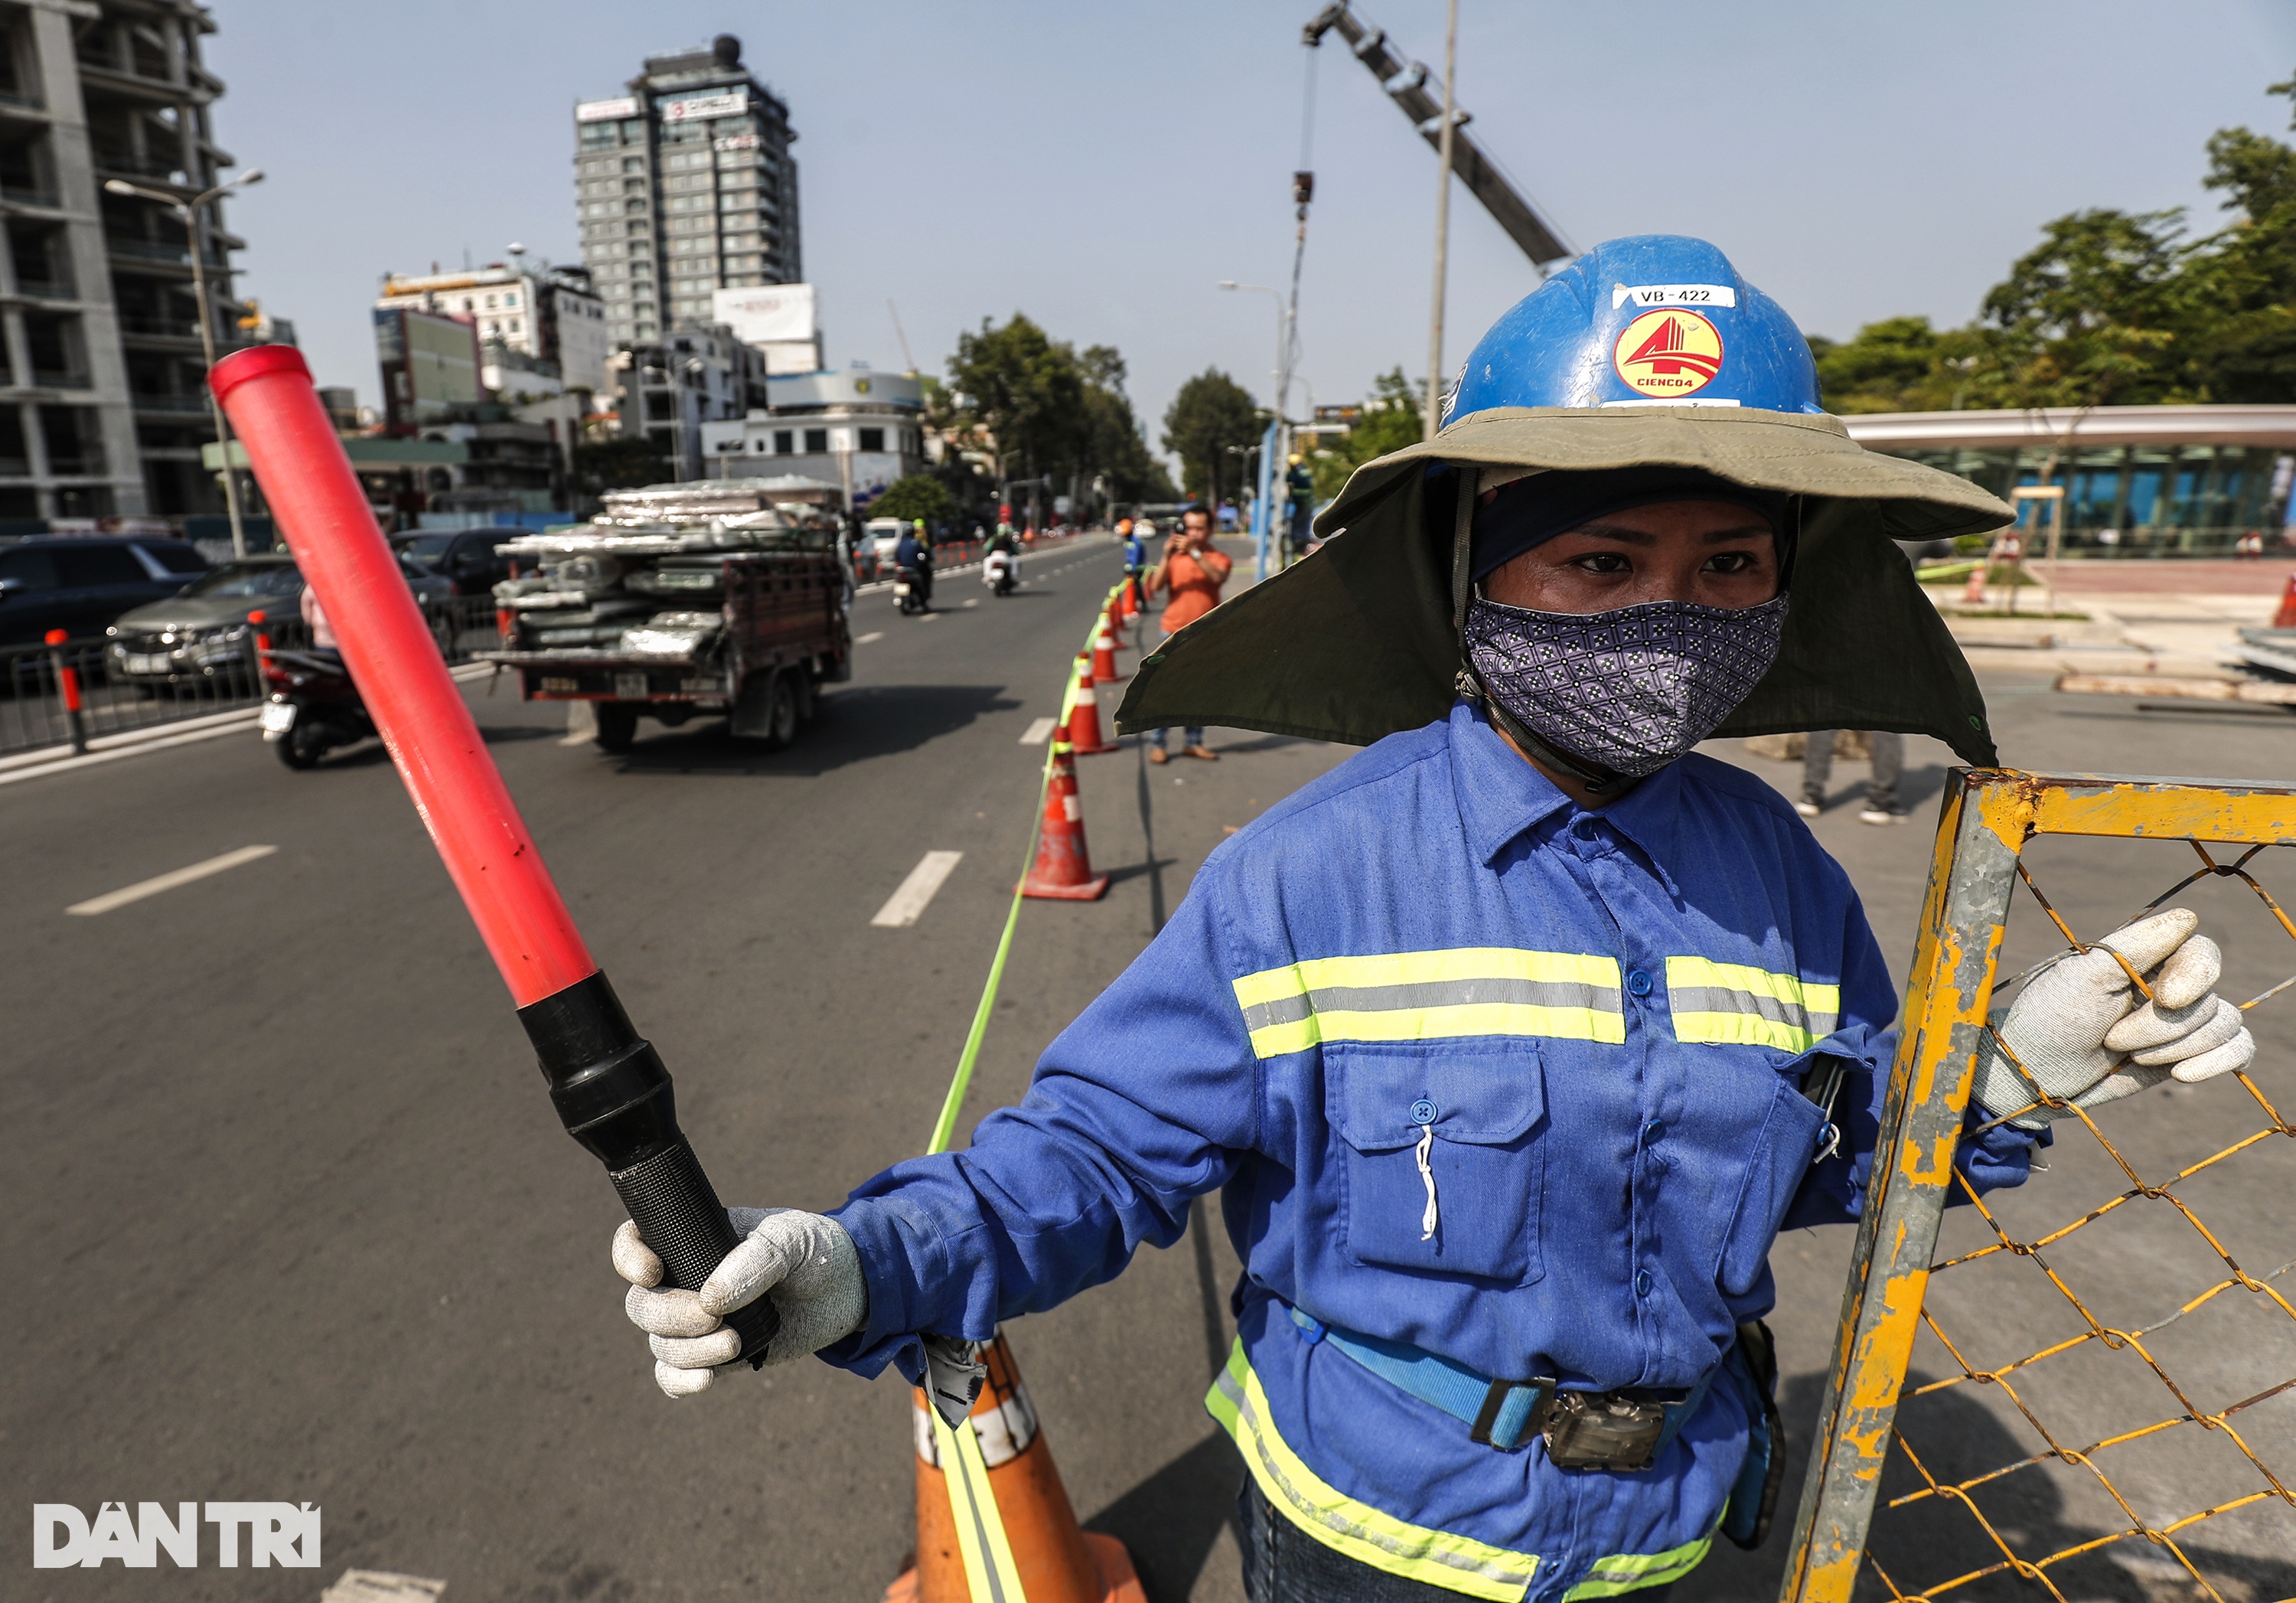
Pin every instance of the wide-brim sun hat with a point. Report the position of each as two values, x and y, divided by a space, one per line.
1649 352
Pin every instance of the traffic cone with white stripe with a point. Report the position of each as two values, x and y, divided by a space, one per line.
1084 714
1053 1560
2285 618
1062 871
1103 646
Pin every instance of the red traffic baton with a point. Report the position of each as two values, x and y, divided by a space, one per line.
606 1082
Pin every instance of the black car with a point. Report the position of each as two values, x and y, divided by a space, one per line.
466 555
79 583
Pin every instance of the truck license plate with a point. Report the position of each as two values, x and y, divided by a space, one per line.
630 686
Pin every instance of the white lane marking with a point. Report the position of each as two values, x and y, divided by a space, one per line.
903 908
928 618
972 601
168 882
870 639
382 1586
1040 732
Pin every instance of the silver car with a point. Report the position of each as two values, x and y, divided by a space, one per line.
200 633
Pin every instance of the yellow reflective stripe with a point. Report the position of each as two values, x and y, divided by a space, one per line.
1456 1564
1426 995
1735 1004
1632 1572
1742 1030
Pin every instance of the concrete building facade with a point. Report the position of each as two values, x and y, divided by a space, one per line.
684 186
671 389
548 315
103 411
818 425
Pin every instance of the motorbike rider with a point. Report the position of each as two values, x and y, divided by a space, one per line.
913 552
1004 549
1512 1041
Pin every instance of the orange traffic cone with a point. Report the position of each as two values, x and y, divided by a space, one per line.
1084 714
2285 618
1131 601
1056 1562
1062 871
1104 648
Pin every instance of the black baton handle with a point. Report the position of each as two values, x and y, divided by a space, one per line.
614 1097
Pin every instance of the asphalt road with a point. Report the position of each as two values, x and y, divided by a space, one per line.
291 1217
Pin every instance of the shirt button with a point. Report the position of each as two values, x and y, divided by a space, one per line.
1641 1282
1422 1112
1652 1131
1638 983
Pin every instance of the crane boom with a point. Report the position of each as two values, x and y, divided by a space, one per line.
1407 86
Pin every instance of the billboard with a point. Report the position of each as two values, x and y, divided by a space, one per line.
699 107
767 314
606 110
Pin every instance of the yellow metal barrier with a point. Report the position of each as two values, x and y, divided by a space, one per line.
1895 1468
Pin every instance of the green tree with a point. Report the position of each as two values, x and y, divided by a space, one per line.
1898 365
2089 318
2242 347
916 496
1021 394
1393 415
1211 413
1113 448
625 462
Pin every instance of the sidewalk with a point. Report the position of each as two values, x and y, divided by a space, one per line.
2159 617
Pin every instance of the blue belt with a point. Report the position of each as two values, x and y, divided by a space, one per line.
1502 1414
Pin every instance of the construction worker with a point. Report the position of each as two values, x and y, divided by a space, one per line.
1511 1042
1298 506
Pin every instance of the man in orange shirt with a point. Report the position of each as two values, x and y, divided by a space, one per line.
1191 574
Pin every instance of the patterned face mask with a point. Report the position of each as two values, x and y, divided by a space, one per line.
1629 690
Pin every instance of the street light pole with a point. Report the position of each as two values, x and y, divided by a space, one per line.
1442 222
189 212
1281 427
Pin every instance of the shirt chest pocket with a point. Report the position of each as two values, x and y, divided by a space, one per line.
1775 1161
1441 1154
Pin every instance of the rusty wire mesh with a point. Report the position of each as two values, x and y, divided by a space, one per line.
2104 1462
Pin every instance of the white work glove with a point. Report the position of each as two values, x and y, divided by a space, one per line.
2077 1030
806 1262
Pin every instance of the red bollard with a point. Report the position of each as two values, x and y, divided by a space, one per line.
68 683
255 621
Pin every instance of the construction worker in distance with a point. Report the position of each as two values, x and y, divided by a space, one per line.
1136 557
1511 1042
1298 507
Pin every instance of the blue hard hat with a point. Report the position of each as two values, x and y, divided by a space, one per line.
1655 320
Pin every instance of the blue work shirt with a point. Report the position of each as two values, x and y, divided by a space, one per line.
1134 553
1592 1026
910 552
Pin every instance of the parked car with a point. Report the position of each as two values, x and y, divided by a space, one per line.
466 555
79 583
882 535
201 633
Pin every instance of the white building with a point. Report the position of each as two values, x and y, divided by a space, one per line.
549 316
821 424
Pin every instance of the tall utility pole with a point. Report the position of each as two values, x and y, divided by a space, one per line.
1445 144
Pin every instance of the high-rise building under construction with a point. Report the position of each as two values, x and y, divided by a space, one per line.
685 186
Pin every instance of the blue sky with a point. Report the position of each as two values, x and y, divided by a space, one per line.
1101 167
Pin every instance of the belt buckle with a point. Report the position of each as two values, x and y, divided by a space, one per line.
1603 1430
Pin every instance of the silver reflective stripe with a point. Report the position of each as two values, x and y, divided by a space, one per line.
1430 993
1716 998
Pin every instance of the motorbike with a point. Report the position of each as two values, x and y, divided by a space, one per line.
913 589
1000 571
313 706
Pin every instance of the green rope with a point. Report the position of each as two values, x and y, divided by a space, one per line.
945 1126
